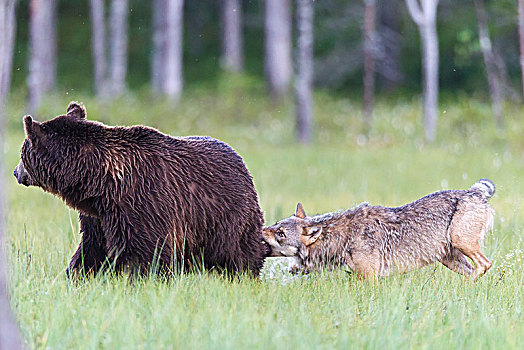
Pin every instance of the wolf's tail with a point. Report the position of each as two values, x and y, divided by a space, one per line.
485 187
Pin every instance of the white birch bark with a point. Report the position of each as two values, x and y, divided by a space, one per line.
304 77
42 50
232 46
424 14
118 45
9 333
173 81
49 77
369 59
98 45
278 60
159 45
7 36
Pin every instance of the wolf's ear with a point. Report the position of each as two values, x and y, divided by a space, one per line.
76 110
311 234
32 128
300 213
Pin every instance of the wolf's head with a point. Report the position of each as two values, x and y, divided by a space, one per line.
289 235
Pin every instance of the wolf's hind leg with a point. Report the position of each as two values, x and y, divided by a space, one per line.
467 229
458 262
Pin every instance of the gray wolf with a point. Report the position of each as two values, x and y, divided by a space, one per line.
445 226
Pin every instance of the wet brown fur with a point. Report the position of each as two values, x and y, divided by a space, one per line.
144 197
445 226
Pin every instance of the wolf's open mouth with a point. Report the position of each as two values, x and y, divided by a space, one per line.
267 248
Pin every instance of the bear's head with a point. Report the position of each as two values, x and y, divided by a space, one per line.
53 155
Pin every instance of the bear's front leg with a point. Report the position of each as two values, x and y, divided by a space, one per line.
131 244
125 251
91 253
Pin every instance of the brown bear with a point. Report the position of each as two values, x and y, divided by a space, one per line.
145 198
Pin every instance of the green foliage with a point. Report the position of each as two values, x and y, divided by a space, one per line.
429 308
338 33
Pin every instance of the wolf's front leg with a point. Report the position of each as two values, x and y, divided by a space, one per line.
91 253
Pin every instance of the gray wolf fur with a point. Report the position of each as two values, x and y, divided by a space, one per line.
445 226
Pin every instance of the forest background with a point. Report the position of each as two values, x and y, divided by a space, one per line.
331 103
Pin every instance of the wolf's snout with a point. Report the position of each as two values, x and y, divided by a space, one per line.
267 248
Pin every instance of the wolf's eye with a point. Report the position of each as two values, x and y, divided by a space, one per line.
281 234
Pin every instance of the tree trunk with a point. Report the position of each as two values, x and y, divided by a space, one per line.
42 50
232 51
172 85
304 78
159 45
489 60
506 87
49 77
369 60
425 17
430 64
521 40
278 61
9 333
118 45
7 36
98 45
390 39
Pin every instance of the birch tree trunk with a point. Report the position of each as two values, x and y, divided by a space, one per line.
98 45
49 78
7 37
431 89
304 77
9 333
506 87
390 38
172 84
495 89
159 45
278 61
42 50
521 40
369 60
232 47
118 53
425 16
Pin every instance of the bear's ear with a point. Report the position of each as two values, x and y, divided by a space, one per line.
32 128
76 110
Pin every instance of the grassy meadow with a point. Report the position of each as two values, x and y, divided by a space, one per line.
430 308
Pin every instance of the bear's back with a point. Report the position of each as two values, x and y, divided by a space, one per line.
206 192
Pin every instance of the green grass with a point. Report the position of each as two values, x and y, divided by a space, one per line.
429 308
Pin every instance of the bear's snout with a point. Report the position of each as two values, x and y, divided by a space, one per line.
22 177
